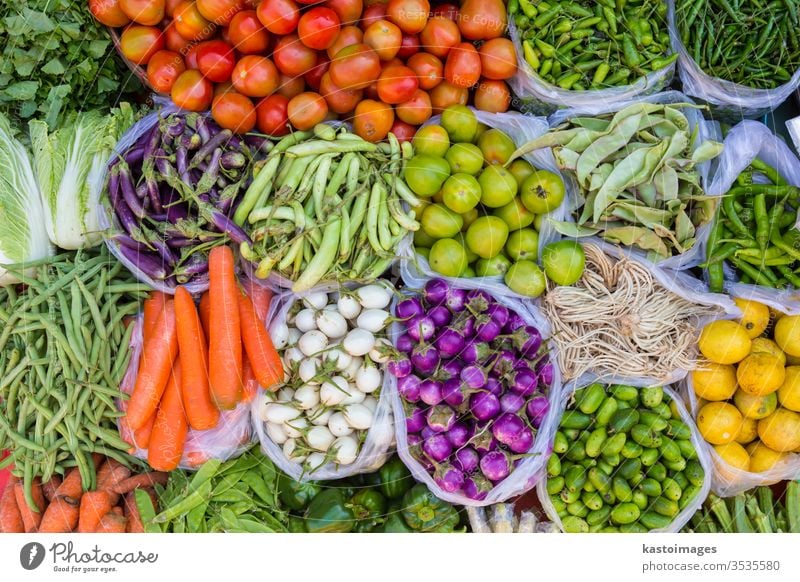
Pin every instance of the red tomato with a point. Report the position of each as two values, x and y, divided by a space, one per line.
410 15
339 100
139 43
492 96
279 16
384 38
397 84
247 34
372 14
147 12
463 65
402 130
439 36
318 28
498 59
170 6
216 60
221 88
395 62
349 11
191 57
174 40
255 76
292 57
220 11
373 120
444 95
306 110
347 35
314 76
162 70
234 111
190 23
291 86
192 91
482 19
272 115
108 12
428 68
371 91
408 46
449 11
355 67
416 110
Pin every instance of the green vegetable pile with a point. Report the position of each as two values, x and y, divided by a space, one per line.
754 511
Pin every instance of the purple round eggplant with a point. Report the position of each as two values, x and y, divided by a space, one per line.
425 359
515 321
484 405
440 315
449 342
507 427
487 330
435 291
452 392
400 367
421 327
511 402
524 382
408 308
495 466
475 352
413 439
456 300
476 487
483 441
441 418
437 448
494 386
430 392
408 388
466 459
546 373
523 442
537 409
473 376
405 343
459 434
451 480
499 313
416 421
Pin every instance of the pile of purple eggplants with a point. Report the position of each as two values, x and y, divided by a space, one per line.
473 378
173 193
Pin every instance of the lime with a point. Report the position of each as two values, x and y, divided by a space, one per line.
515 215
563 261
498 186
425 174
464 158
487 236
525 278
542 192
448 257
431 140
523 244
460 123
496 146
438 221
461 193
492 267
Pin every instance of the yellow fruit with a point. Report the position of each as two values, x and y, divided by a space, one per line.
724 342
792 360
780 431
762 458
787 334
714 381
789 392
755 317
701 402
762 344
753 406
719 422
735 455
760 374
775 315
748 431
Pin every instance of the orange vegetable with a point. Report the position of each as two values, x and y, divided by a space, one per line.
140 481
110 474
249 382
135 524
111 523
141 436
260 296
205 312
170 428
225 343
153 308
264 358
94 505
71 486
10 516
61 516
31 518
49 489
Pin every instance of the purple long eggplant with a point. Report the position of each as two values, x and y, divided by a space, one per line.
212 144
148 263
129 193
230 228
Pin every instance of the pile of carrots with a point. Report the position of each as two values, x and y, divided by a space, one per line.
197 362
61 506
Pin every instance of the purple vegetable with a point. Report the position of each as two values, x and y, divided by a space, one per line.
196 264
523 442
478 297
484 405
164 252
459 434
134 155
477 487
449 342
507 427
256 142
499 313
495 466
488 330
175 126
415 422
440 315
421 328
473 376
537 409
405 343
504 362
229 227
452 393
413 440
409 308
476 352
408 387
465 325
435 291
451 480
177 211
483 441
425 359
430 392
427 432
441 418
524 382
129 194
456 300
422 458
437 448
125 240
400 367
546 373
190 142
527 340
514 322
148 263
232 159
209 146
511 402
450 369
466 459
493 386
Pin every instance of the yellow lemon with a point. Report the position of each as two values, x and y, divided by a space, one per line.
748 432
714 381
724 342
719 422
789 392
762 344
735 455
787 334
755 317
780 431
753 406
762 458
760 374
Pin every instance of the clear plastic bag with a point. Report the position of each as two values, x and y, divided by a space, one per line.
525 476
728 100
703 457
535 95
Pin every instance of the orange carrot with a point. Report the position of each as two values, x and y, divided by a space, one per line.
94 505
193 353
264 358
117 510
141 436
170 428
61 516
71 486
111 523
153 307
10 516
31 517
158 355
111 473
135 524
205 311
51 487
225 342
141 481
260 296
249 382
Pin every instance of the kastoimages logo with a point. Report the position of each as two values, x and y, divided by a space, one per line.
31 555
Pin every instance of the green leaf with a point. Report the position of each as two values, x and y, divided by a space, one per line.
38 22
571 229
22 90
98 48
54 67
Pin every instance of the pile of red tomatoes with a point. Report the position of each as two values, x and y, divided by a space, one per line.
386 66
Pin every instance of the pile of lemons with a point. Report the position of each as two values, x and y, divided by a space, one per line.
748 388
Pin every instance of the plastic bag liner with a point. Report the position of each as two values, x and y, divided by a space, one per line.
535 95
230 438
525 476
376 447
728 100
705 131
521 129
703 458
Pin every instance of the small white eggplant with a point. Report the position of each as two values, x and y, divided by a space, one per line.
374 320
331 323
278 413
291 452
338 425
371 402
316 300
312 342
319 415
307 396
305 320
309 368
358 416
368 378
352 369
334 391
279 334
285 395
340 357
358 342
294 335
354 395
348 306
293 356
276 433
294 428
381 351
320 438
374 296
315 461
346 448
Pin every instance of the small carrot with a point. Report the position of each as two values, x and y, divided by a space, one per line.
141 436
117 510
205 311
10 516
264 358
170 428
140 482
31 517
201 412
153 307
94 505
111 473
260 296
249 382
135 524
61 516
71 486
111 523
51 487
225 341
158 355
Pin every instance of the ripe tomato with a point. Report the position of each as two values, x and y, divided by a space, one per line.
162 70
306 110
349 11
220 11
402 130
234 111
371 91
384 38
108 12
279 16
339 100
255 76
192 91
170 5
272 115
410 15
492 96
498 59
439 36
190 58
416 110
190 23
216 60
395 62
221 88
482 19
463 65
139 43
373 120
372 14
444 95
318 28
449 11
247 34
408 46
355 67
147 12
397 84
174 40
291 86
428 69
292 57
314 76
347 35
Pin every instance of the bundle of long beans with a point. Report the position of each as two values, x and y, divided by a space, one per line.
751 42
754 511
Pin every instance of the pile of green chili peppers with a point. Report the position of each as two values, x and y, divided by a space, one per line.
751 42
580 45
755 232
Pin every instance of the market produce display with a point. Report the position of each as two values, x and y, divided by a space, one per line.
757 511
